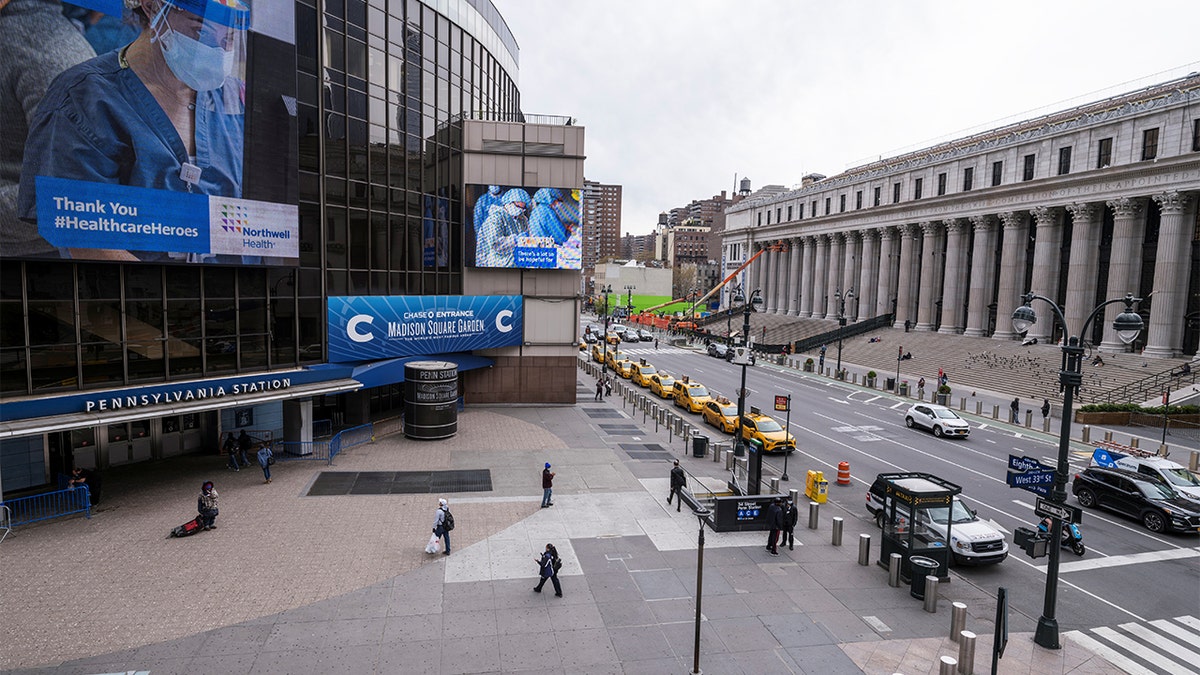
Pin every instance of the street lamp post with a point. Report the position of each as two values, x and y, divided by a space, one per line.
606 289
734 293
701 514
629 299
1127 326
841 324
739 446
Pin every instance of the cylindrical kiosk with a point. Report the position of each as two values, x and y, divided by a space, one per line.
430 399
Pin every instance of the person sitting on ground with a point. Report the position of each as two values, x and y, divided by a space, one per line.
907 356
1098 361
1185 369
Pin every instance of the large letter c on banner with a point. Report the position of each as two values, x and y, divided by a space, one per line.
500 321
352 328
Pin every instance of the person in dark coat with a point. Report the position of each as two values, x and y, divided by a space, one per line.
791 516
547 486
1045 408
206 504
230 447
775 522
547 570
245 444
678 482
89 478
1015 407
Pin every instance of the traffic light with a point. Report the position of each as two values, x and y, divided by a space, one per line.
1034 543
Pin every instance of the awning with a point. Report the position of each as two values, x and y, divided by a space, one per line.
391 371
81 420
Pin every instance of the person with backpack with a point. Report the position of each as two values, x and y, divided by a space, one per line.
547 486
230 447
443 522
548 566
206 505
265 459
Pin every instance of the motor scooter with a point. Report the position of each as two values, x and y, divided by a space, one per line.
1072 538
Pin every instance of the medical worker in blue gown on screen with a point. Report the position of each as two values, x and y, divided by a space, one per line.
496 238
546 219
164 112
484 205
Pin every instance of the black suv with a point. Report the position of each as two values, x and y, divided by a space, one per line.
1136 495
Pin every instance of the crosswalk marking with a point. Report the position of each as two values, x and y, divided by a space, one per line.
1158 646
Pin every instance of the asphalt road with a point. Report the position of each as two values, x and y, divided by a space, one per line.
1127 574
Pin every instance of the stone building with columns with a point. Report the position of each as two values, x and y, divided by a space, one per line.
1080 206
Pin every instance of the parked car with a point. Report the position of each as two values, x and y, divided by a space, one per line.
972 541
663 385
645 335
1181 480
939 419
598 353
642 372
766 430
1138 496
691 395
722 414
717 349
624 368
630 335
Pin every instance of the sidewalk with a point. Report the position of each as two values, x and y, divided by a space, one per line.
294 584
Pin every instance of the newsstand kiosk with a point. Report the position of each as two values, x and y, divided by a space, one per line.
911 500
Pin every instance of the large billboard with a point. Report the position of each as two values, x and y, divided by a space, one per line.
370 327
524 227
178 147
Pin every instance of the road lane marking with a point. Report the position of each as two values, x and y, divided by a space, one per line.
1168 646
873 398
1111 655
1189 620
1187 636
1128 559
1141 652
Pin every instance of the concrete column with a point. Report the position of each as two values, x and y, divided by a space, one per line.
807 287
931 259
1125 263
759 266
768 278
820 277
1172 268
1012 271
854 267
983 267
837 263
1047 256
868 279
795 287
1085 260
888 270
905 299
956 276
784 278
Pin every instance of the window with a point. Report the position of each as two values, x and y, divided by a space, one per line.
768 217
779 215
968 178
1028 172
1196 135
877 190
997 173
1104 155
828 200
1064 161
895 193
1150 144
918 184
812 211
789 212
842 204
858 199
760 217
941 184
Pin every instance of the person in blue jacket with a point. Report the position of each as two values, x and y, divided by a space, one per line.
485 203
544 220
164 112
497 236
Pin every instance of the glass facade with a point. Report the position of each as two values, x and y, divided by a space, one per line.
375 81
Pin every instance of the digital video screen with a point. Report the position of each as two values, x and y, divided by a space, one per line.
523 227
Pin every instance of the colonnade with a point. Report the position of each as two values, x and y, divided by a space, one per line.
966 275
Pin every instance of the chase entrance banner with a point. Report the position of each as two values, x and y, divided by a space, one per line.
369 327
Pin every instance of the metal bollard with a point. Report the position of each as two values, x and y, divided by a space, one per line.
979 408
931 584
958 619
1086 433
814 512
838 523
966 653
962 404
1108 437
1133 441
1028 419
729 458
794 495
864 549
995 412
1194 461
1046 425
774 485
947 665
894 570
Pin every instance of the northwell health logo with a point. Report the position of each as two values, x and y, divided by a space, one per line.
246 227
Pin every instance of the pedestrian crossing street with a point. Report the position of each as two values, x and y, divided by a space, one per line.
1146 648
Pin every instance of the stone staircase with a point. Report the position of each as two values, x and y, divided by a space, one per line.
1003 366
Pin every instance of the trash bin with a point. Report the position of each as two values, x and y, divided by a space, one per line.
921 568
891 384
699 445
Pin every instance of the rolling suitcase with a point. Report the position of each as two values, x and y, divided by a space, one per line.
189 528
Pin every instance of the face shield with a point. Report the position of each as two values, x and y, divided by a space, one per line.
203 41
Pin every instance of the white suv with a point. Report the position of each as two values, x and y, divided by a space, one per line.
973 541
939 419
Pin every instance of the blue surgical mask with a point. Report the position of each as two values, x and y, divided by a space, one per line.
201 67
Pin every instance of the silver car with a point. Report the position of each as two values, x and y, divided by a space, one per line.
939 419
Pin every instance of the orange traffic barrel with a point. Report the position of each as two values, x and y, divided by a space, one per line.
843 473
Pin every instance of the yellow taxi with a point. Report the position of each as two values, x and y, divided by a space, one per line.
721 413
624 368
642 372
612 338
691 396
663 385
764 429
598 353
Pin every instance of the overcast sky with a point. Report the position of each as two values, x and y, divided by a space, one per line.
679 96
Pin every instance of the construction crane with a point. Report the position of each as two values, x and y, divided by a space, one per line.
778 246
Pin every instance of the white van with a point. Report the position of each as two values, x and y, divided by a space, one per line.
1183 481
973 541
